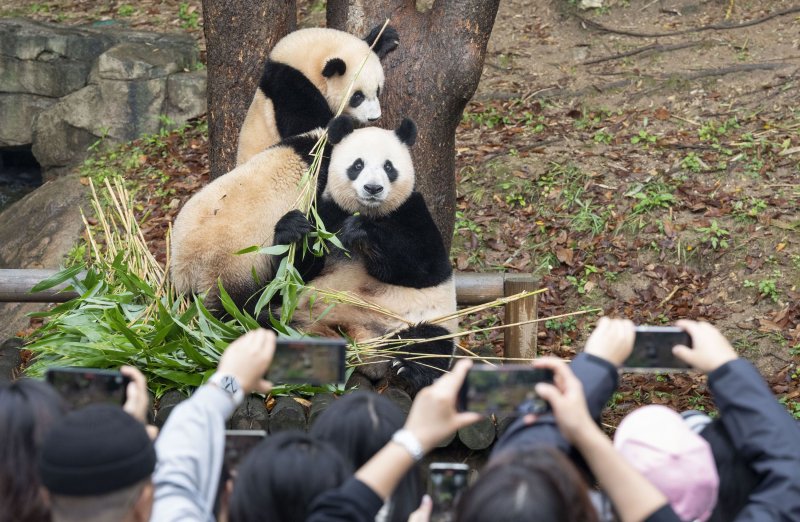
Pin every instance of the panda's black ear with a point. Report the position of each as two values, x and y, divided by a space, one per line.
387 43
338 128
407 131
334 66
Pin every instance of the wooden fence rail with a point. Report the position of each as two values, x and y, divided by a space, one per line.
471 289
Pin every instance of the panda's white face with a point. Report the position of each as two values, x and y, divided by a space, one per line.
364 106
370 172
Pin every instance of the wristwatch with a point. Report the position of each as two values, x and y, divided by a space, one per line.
230 384
409 441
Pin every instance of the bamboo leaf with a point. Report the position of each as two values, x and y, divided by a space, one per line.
57 278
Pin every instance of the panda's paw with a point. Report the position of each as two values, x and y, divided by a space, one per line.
411 376
352 235
291 228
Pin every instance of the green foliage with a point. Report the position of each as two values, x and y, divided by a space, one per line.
644 138
126 10
768 288
651 197
714 235
189 17
602 136
692 162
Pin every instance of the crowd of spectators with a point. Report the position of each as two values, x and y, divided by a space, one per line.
360 459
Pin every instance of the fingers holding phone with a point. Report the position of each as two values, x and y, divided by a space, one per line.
247 358
611 340
709 349
137 402
566 399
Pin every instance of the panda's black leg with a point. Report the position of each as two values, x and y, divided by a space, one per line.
291 228
413 374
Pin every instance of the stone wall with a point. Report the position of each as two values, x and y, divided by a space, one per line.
63 87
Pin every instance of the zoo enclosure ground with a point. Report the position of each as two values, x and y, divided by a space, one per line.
654 177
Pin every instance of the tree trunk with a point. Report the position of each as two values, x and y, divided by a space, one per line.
239 35
430 78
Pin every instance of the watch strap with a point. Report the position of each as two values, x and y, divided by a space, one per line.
410 442
229 384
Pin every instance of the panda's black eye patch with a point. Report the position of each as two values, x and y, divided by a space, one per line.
357 99
390 170
355 169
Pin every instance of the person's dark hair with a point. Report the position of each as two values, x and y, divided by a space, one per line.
736 478
359 425
537 484
280 478
28 409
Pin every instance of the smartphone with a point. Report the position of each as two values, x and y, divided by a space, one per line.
652 347
310 360
238 443
82 386
504 390
446 482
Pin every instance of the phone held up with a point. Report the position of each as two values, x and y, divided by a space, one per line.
238 443
310 360
652 348
446 482
80 387
507 390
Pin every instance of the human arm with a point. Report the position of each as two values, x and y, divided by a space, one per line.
633 496
432 418
761 430
191 445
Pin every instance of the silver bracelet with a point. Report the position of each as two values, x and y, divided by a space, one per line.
410 442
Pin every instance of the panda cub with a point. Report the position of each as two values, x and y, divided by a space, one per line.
305 79
396 258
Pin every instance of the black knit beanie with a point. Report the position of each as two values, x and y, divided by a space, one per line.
96 450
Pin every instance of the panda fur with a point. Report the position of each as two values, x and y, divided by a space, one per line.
396 258
236 211
305 79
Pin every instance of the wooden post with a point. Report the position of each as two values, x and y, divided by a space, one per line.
520 341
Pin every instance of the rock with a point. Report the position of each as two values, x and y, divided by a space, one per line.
167 403
186 96
399 397
358 381
37 232
63 88
10 359
251 415
18 112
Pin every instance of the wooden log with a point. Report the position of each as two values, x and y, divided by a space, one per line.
399 397
16 284
251 415
446 442
480 435
520 341
287 414
165 406
358 381
319 403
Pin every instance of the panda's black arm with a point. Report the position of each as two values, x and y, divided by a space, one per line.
405 248
299 106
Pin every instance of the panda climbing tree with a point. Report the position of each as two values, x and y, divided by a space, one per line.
443 46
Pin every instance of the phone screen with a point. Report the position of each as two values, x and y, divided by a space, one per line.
652 347
82 386
238 443
446 482
310 360
503 390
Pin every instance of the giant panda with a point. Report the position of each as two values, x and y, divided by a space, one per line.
395 256
235 211
305 79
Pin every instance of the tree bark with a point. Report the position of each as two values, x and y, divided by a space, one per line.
239 35
430 78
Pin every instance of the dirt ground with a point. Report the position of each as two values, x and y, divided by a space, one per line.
641 159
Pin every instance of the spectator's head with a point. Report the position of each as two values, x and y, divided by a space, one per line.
96 465
359 425
536 484
28 410
736 478
280 478
658 443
